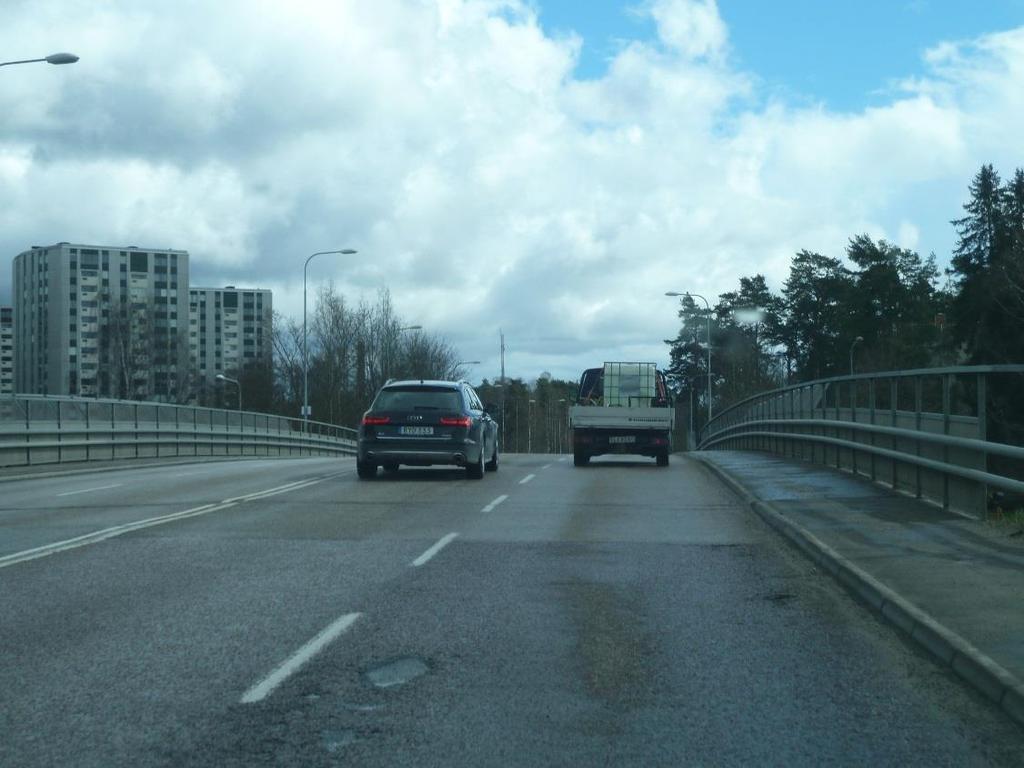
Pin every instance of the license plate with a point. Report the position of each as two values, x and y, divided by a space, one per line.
416 431
622 439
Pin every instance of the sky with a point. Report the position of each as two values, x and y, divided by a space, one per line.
543 167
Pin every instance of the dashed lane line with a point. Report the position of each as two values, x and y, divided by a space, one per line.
289 666
441 543
90 490
526 479
495 503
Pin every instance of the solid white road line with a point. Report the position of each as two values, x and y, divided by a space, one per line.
119 530
443 542
90 490
106 533
526 479
266 686
545 466
495 503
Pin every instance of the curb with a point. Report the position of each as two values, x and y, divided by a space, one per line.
945 646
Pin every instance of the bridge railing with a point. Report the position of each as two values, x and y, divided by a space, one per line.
37 429
948 435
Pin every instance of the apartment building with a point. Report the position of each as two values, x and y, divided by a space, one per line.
229 330
102 321
6 351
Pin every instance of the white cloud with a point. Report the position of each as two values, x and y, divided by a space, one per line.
692 27
448 141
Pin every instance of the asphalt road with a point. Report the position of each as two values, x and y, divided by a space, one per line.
617 614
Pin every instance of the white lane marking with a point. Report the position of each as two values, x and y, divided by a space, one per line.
265 491
443 542
267 495
90 490
119 530
545 466
495 503
266 686
104 534
526 479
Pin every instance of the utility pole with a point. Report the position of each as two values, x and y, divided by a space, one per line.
504 389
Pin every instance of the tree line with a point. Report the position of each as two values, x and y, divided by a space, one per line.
353 349
879 307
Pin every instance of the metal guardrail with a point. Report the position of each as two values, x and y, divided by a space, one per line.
37 429
928 431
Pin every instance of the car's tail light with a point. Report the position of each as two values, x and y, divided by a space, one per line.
375 421
456 421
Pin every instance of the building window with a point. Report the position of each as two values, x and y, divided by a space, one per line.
140 262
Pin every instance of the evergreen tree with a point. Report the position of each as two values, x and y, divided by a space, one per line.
982 236
893 305
816 297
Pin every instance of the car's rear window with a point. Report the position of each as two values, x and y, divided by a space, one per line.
418 399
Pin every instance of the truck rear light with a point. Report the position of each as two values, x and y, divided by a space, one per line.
456 421
375 421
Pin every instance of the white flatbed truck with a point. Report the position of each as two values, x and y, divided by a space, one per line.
622 408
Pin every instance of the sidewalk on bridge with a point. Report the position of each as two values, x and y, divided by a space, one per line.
907 558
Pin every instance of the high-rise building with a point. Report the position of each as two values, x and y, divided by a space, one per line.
104 321
229 330
6 350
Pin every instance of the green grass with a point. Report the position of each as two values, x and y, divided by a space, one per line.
1008 521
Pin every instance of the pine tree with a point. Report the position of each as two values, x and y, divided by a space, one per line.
816 297
981 237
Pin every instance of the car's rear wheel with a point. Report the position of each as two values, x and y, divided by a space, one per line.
492 465
662 459
366 469
476 470
580 459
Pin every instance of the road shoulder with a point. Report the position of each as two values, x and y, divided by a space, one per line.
932 578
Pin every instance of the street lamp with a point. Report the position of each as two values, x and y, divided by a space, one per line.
305 346
236 382
53 58
529 426
856 341
560 432
708 304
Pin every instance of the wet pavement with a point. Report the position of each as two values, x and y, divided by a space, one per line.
967 574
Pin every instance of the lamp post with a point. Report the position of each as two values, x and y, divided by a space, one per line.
856 341
502 425
560 429
305 346
529 425
53 58
236 382
708 305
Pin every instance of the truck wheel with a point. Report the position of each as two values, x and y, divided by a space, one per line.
580 459
662 459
